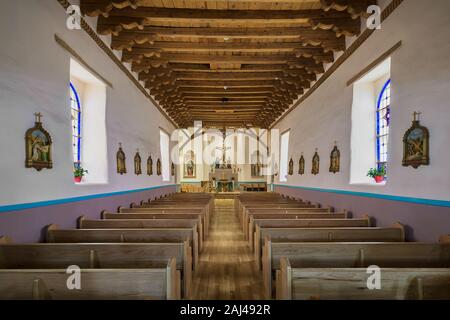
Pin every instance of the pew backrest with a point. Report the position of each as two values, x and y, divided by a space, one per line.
165 235
99 256
351 255
352 283
97 284
395 233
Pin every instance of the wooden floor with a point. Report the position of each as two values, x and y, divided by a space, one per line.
226 270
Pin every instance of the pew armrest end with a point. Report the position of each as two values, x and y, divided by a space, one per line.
5 240
442 239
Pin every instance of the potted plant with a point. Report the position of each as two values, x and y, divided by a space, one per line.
378 174
79 173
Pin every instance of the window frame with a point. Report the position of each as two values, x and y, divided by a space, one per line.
165 165
76 136
383 96
284 163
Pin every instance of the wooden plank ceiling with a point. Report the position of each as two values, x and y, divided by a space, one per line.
228 63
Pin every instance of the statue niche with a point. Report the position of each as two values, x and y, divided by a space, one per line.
189 170
137 164
301 165
158 167
121 161
150 166
335 160
315 164
291 167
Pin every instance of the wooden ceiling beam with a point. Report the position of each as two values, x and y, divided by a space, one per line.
127 18
298 49
220 103
227 76
228 84
306 36
229 105
187 67
94 8
221 90
220 96
205 58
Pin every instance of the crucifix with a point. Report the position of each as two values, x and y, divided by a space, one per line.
224 150
38 116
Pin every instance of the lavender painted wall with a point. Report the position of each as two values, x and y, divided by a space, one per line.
28 225
423 223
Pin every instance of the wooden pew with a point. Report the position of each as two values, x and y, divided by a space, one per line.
96 284
144 215
351 255
272 205
395 233
351 283
202 212
99 256
444 239
245 217
4 240
177 235
291 214
84 223
304 223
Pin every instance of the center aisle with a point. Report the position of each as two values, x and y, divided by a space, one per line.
226 269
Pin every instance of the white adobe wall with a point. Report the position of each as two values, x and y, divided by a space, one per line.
34 77
420 82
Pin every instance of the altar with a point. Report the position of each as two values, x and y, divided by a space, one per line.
224 180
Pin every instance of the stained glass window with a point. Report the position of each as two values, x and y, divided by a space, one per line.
75 106
383 123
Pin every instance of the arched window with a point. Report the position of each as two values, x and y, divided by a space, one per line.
75 106
383 123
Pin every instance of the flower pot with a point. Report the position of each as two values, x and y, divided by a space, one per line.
379 179
78 179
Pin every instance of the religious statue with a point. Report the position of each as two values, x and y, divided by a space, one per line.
121 161
38 146
189 165
416 148
150 166
256 167
315 164
335 159
137 164
158 167
172 171
291 167
301 165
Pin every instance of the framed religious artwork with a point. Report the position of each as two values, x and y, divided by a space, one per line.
291 167
38 146
137 163
416 144
301 165
158 167
335 159
150 166
121 161
315 163
189 168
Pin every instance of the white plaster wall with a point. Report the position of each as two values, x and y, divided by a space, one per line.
420 76
34 77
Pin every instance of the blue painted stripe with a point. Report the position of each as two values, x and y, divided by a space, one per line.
429 202
23 206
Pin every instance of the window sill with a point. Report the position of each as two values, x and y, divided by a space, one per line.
91 184
369 184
